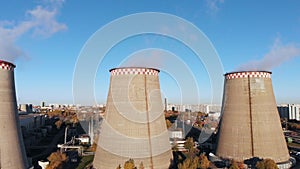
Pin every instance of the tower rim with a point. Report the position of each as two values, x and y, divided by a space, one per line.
7 63
247 71
135 67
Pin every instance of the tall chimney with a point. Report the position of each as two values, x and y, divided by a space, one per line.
12 151
166 105
134 125
250 125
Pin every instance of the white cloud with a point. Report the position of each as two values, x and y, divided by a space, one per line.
278 54
41 21
213 5
44 22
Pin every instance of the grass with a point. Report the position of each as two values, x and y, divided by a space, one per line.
86 160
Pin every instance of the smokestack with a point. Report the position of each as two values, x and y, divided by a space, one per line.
12 151
250 125
134 124
166 105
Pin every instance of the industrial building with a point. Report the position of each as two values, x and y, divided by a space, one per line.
250 124
205 108
32 121
12 152
134 124
289 111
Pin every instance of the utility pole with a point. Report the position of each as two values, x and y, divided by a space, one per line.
286 124
91 127
66 133
166 105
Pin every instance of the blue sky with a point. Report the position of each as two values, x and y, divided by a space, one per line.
44 39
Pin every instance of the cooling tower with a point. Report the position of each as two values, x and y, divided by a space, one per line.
12 152
134 125
250 125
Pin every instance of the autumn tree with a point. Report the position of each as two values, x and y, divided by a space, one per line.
56 160
58 123
168 123
129 164
175 147
266 164
241 165
204 163
234 165
74 120
141 166
202 114
189 144
189 163
193 161
55 113
93 147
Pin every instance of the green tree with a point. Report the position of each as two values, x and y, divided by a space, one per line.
266 164
129 164
204 163
56 160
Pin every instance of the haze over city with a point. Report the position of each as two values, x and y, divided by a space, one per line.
44 39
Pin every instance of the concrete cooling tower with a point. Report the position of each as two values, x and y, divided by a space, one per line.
250 125
134 125
12 152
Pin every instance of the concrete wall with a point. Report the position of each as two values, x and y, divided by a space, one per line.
250 125
12 155
134 124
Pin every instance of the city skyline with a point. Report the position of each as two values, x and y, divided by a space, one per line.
45 38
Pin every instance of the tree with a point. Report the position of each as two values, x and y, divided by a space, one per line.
55 113
141 166
93 147
241 165
56 160
266 164
189 163
189 144
234 165
204 163
129 164
169 124
58 124
175 147
74 119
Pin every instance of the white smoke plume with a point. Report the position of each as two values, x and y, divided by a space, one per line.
40 21
278 54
